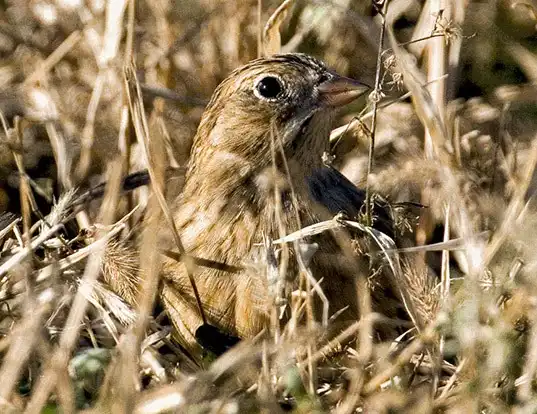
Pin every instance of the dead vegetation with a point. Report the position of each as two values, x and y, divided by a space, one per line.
93 90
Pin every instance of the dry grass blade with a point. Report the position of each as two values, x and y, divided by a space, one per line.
165 399
9 228
526 59
24 190
312 230
130 345
22 345
88 134
142 134
107 302
54 58
61 355
80 254
436 62
16 259
115 11
60 155
426 108
271 34
515 207
66 263
449 245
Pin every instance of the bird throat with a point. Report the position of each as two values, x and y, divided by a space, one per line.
300 139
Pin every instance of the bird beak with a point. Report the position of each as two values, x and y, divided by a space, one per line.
340 91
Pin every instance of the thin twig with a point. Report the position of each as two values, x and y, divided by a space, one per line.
376 95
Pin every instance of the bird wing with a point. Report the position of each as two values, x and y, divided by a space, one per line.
332 190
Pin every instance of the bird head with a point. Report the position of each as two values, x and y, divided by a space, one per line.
286 100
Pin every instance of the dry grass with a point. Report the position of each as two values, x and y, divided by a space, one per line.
452 125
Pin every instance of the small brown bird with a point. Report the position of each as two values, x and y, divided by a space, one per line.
240 190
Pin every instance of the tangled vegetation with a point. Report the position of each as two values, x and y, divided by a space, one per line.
450 129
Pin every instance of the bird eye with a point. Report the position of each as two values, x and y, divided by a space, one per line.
269 87
323 78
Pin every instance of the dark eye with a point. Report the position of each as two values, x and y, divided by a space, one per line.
269 87
323 78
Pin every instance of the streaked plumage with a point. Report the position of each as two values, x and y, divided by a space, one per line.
237 191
